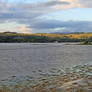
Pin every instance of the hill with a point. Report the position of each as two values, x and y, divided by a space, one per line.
45 37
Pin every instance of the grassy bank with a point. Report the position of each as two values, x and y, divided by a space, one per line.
85 43
9 37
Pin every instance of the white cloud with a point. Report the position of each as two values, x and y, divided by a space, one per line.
14 27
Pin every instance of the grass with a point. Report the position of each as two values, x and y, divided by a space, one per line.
85 43
71 35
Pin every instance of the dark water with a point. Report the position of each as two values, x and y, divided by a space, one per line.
23 59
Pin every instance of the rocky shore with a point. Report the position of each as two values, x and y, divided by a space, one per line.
75 79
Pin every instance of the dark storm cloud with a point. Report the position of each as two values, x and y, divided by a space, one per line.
61 26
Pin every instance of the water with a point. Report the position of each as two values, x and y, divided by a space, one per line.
22 59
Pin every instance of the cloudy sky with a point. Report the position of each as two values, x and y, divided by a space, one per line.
42 16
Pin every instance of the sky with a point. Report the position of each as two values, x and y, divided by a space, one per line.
45 16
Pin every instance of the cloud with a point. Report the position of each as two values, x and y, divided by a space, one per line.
86 3
20 11
62 26
78 3
25 29
14 27
46 26
33 10
27 16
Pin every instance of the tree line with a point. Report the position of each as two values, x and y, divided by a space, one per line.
9 37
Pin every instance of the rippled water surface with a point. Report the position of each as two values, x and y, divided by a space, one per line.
22 59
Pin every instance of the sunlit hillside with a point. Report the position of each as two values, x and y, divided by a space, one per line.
74 35
45 37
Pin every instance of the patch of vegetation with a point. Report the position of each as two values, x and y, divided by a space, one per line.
86 43
11 37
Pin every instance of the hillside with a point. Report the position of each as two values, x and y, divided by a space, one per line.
45 37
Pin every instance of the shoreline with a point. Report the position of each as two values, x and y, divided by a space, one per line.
69 79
